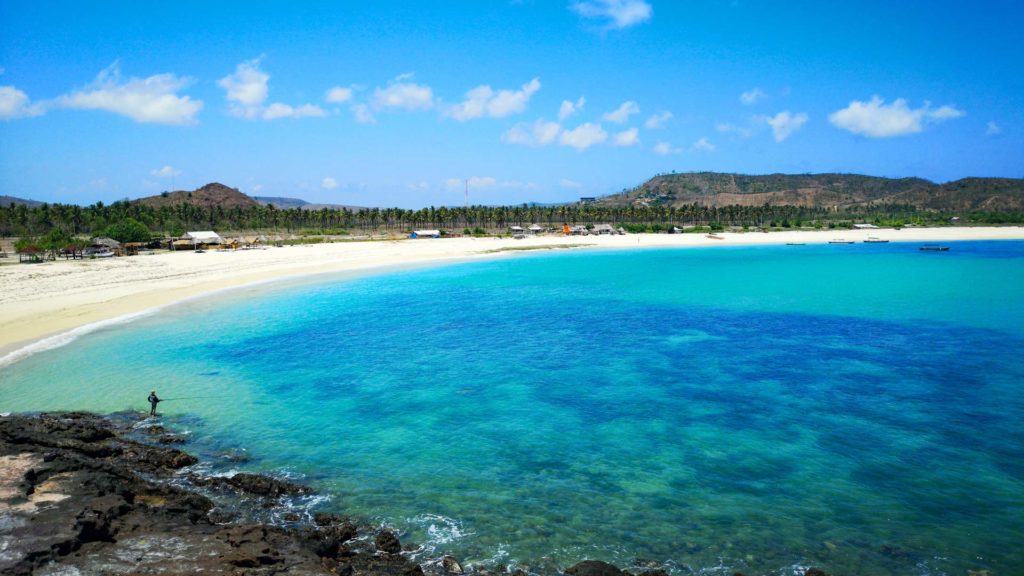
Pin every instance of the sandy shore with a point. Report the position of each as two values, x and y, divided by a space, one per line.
49 301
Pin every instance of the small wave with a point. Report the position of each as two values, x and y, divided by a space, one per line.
65 338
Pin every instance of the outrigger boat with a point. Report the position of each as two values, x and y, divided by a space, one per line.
874 240
840 241
934 248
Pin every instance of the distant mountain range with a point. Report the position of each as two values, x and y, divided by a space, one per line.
823 191
8 200
705 188
282 203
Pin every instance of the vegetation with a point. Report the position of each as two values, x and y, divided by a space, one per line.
692 202
126 221
128 230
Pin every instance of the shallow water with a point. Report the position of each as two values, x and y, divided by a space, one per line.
857 407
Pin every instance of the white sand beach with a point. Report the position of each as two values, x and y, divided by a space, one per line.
40 301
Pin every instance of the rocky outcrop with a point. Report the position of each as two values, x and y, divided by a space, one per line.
593 568
388 543
77 496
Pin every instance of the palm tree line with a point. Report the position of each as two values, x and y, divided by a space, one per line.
21 220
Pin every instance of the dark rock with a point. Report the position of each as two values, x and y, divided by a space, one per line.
343 532
388 543
291 517
266 486
658 572
84 500
171 439
451 565
815 572
325 519
593 568
155 430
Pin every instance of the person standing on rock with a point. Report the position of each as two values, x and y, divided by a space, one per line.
153 401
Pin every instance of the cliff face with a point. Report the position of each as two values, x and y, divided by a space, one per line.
823 191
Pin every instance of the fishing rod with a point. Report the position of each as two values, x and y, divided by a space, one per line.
195 398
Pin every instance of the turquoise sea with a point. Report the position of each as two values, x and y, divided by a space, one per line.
857 408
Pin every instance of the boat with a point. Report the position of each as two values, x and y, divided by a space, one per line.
715 236
796 243
874 240
103 254
840 241
934 248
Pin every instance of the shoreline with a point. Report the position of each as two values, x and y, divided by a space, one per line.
43 306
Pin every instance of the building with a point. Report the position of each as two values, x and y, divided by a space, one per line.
536 229
588 200
599 229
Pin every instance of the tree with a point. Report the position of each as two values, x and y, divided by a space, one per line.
129 230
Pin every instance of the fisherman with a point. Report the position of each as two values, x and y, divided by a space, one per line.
153 401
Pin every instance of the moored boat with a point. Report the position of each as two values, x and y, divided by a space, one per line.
840 241
934 248
875 240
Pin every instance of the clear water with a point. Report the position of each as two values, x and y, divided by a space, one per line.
858 408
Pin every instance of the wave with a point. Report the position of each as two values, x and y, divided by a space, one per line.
65 338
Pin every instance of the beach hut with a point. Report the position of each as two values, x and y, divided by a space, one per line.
202 238
536 229
517 231
31 255
425 234
603 229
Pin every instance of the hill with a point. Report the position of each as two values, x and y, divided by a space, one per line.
282 203
8 200
211 195
822 191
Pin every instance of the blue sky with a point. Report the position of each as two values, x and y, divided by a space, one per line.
398 103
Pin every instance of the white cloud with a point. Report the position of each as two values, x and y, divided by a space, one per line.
728 128
993 129
483 101
362 114
328 183
569 108
418 186
665 148
616 13
570 184
658 120
784 124
247 90
338 94
165 172
278 110
622 113
405 95
15 104
875 119
629 137
703 145
146 100
752 96
539 133
583 136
